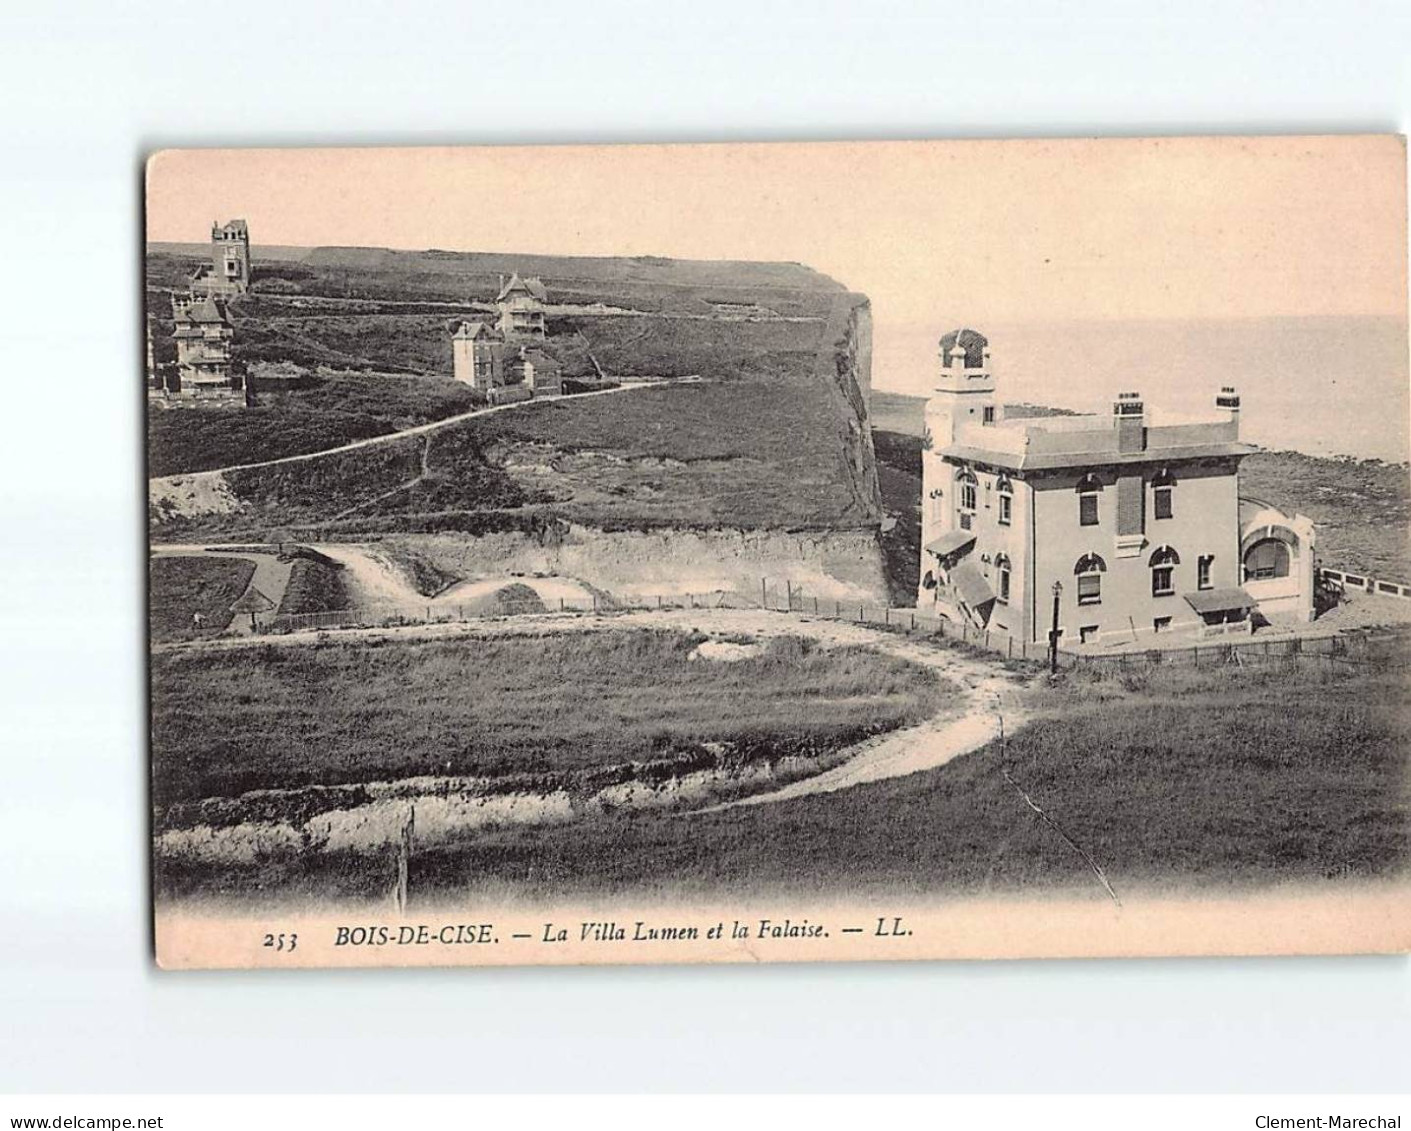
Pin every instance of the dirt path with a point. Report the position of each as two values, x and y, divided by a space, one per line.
987 693
418 430
271 576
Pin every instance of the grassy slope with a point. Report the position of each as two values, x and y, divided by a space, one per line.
230 721
314 587
1262 779
338 409
182 586
767 443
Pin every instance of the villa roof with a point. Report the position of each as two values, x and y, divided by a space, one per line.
950 542
207 310
474 331
974 590
1058 461
532 286
1220 600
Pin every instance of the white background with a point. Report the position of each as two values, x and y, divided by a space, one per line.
89 88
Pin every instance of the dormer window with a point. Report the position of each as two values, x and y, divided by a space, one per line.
1088 488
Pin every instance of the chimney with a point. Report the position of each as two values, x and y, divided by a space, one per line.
1228 402
1129 417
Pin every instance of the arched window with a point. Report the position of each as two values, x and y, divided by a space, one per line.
1002 577
965 497
1265 559
1162 493
1006 499
1088 488
1089 570
1163 562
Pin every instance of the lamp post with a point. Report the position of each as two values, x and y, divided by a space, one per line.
1053 632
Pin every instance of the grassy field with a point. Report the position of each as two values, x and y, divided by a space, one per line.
181 586
336 409
773 439
225 722
1192 781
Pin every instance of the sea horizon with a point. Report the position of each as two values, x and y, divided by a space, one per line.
1331 387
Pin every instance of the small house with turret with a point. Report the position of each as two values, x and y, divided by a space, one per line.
228 273
1112 530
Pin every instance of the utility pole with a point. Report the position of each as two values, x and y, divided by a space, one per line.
1053 632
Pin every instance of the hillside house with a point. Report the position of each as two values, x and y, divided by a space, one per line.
521 305
203 336
478 355
228 273
1133 525
503 371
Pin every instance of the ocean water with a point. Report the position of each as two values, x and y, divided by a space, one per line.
1323 386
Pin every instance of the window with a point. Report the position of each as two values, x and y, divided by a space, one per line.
1266 559
1002 573
1006 501
1202 571
1162 490
1088 488
938 505
1163 562
989 416
1089 570
1087 633
1160 624
965 496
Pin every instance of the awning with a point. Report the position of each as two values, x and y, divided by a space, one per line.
948 544
971 585
1220 601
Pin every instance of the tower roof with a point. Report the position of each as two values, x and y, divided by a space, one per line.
971 343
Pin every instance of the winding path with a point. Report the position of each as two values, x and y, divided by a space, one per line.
989 697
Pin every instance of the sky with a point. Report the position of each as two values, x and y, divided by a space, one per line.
933 232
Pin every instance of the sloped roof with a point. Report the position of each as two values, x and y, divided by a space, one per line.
541 360
1220 600
206 310
974 590
950 542
475 331
532 286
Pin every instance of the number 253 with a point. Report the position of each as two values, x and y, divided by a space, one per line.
281 941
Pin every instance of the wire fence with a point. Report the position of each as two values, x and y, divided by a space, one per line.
1351 647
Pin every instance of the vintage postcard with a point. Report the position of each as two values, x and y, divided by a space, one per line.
778 552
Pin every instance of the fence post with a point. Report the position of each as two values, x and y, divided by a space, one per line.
887 615
1009 655
860 616
913 622
428 614
763 594
789 594
837 610
595 602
